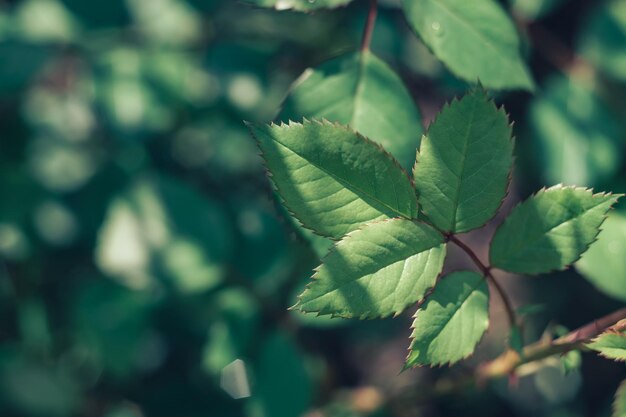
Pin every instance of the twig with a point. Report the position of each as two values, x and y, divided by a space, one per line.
486 270
510 360
369 25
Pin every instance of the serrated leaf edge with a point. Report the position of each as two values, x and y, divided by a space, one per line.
556 187
322 122
334 248
477 89
412 328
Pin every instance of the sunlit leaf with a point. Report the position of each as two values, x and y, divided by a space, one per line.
463 166
451 322
333 179
476 40
377 271
550 230
362 91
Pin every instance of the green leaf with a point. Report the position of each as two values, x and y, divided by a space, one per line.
376 271
574 136
299 5
604 263
603 39
550 230
333 179
451 322
475 39
619 406
360 90
462 170
611 345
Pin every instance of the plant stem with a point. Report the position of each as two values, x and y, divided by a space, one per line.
510 360
486 270
369 25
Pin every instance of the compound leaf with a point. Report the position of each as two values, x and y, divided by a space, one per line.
299 5
376 271
360 90
475 39
451 322
550 230
333 179
462 170
604 264
619 406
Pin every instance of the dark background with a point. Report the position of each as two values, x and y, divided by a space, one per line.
146 268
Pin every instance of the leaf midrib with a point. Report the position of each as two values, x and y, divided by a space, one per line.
518 248
457 193
383 266
460 305
351 187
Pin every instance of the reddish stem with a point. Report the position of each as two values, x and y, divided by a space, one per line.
369 26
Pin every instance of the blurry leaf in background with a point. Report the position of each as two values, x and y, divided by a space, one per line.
219 144
604 264
179 77
232 332
99 15
65 113
265 255
61 166
451 322
163 233
535 9
619 406
167 22
577 139
556 386
20 62
131 105
282 384
550 230
36 389
45 21
112 323
476 40
300 5
56 223
360 90
602 40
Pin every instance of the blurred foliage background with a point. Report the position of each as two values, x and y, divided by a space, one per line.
146 268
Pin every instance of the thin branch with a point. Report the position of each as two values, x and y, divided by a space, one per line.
510 360
506 364
486 270
369 26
